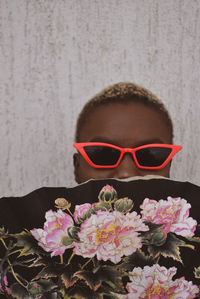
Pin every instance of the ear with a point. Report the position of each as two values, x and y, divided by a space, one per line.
76 161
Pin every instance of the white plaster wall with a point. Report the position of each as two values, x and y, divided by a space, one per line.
56 54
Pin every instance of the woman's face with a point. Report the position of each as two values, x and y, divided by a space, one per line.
126 125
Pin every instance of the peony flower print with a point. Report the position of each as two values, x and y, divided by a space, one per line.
110 235
123 205
173 212
81 211
156 283
112 251
107 193
54 237
5 281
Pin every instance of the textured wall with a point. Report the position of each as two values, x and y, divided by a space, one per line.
56 54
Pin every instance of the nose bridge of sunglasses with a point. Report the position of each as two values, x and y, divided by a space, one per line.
127 166
128 152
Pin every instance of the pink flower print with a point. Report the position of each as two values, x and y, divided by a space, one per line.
81 211
107 193
6 284
110 235
54 235
173 213
156 283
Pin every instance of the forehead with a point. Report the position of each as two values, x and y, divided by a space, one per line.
128 124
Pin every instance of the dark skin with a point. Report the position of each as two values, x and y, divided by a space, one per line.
126 125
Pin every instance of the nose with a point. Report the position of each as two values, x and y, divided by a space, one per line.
127 168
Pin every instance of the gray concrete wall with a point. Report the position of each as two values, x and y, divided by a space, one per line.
56 54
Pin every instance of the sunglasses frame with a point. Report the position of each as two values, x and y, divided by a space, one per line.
80 148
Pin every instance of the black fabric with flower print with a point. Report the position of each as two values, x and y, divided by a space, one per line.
93 239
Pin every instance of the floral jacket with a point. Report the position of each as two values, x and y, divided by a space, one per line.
102 239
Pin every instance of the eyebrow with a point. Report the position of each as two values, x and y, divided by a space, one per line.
107 140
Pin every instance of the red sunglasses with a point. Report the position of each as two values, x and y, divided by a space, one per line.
105 155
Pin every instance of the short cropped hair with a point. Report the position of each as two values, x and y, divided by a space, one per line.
123 92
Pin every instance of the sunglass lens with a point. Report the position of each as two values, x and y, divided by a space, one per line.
152 156
102 155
